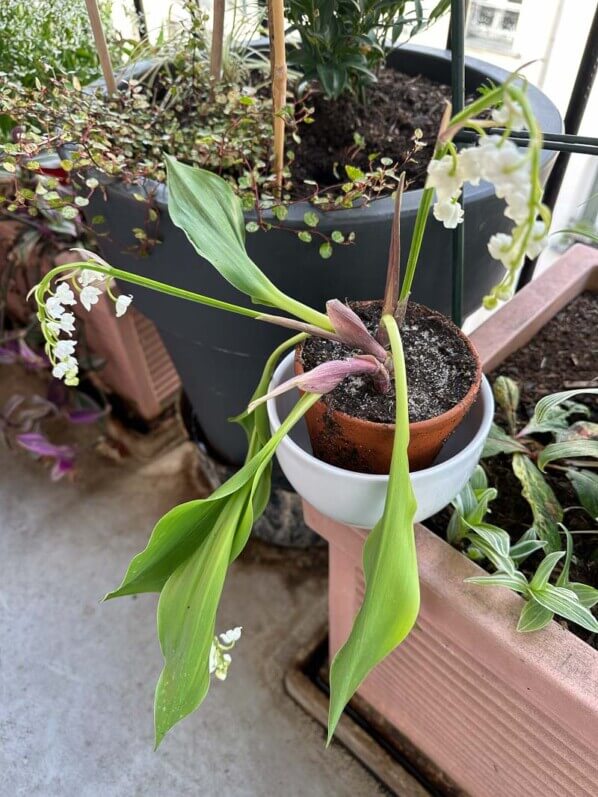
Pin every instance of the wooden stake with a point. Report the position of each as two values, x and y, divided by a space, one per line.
279 82
101 46
217 40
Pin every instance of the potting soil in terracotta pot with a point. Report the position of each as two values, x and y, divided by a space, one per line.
560 357
353 426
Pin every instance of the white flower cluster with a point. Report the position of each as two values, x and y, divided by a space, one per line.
507 167
56 319
220 659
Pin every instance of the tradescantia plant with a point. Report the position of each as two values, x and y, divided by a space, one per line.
575 449
192 546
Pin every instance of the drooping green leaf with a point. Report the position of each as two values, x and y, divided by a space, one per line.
205 207
555 420
544 504
187 615
189 599
544 410
515 581
325 250
585 484
533 617
568 450
499 442
391 601
506 393
565 603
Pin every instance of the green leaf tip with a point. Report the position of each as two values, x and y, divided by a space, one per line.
391 601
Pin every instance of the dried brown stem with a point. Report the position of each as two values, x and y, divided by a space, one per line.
393 271
279 83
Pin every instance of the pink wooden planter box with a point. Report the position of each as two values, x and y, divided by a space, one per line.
503 714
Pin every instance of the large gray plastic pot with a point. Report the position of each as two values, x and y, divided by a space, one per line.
219 357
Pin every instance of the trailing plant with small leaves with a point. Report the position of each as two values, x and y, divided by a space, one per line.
576 451
171 106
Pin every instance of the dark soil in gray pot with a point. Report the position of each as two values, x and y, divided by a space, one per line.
220 357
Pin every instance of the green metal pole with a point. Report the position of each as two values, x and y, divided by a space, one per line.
458 97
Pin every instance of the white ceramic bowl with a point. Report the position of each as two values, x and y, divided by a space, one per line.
358 498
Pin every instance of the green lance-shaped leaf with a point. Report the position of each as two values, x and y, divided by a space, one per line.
568 450
533 617
544 504
499 442
205 207
187 615
585 484
515 581
549 416
565 603
545 568
391 601
548 403
524 548
587 595
190 597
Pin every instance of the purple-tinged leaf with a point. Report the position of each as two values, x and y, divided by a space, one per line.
82 416
352 331
62 467
323 378
38 444
30 358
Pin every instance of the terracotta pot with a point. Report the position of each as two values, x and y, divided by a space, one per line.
530 701
365 446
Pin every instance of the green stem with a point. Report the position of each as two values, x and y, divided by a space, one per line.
421 220
296 308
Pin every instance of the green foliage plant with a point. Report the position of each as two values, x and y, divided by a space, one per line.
342 45
193 545
574 452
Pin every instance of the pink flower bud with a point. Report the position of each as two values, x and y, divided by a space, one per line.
324 378
352 331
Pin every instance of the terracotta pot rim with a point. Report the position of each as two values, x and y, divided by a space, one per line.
419 426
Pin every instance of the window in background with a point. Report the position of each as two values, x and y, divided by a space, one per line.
493 24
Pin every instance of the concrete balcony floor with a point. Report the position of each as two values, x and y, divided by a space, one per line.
77 677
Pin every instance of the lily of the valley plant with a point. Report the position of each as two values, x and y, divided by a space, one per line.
192 546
